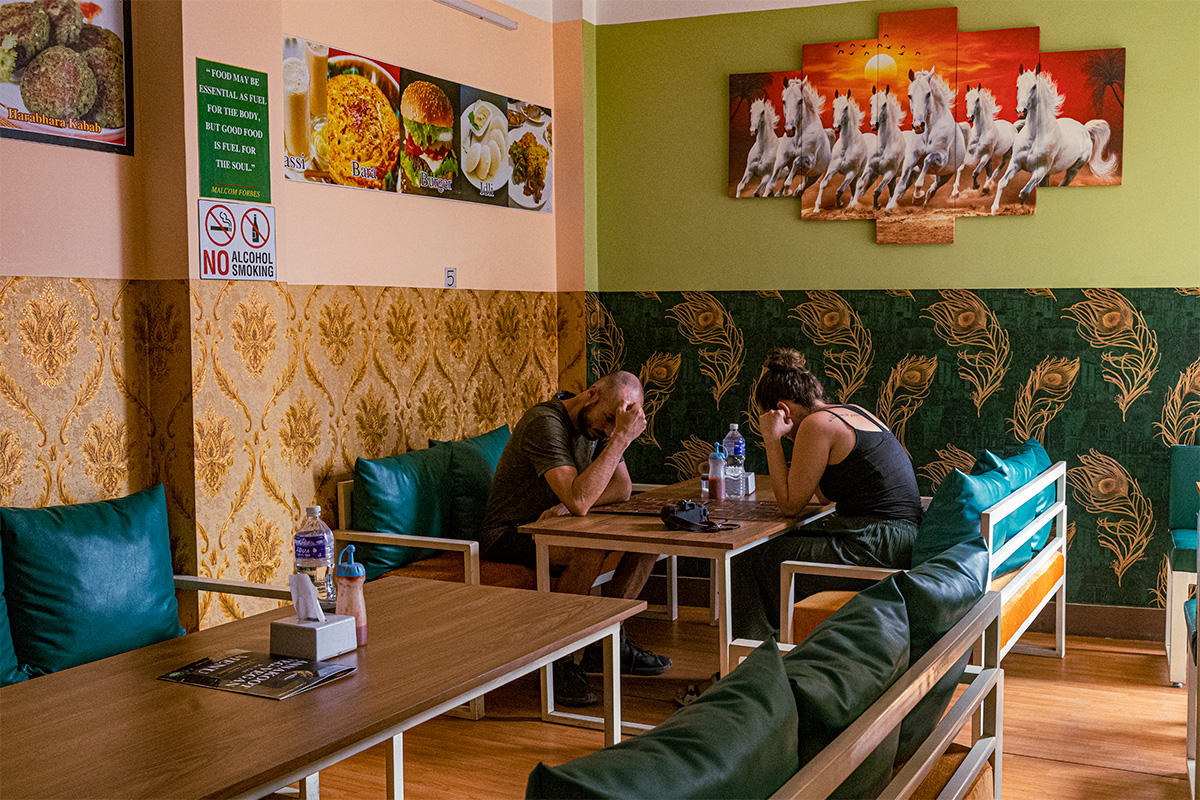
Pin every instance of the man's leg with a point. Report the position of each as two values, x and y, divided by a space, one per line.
582 567
630 576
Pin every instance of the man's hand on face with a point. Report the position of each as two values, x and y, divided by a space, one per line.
630 422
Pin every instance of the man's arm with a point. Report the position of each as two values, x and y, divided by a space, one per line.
606 480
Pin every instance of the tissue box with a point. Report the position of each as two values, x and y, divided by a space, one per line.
312 640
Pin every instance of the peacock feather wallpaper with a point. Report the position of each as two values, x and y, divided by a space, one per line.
1106 379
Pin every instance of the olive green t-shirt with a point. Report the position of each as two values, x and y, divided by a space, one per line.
543 440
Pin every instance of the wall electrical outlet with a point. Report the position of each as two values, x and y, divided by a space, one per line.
451 277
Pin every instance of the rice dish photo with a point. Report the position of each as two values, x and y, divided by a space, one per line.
362 133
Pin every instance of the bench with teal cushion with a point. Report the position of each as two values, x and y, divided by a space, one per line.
1184 504
1029 461
740 739
87 581
437 493
1020 512
851 703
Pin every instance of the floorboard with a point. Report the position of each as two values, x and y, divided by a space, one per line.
1102 723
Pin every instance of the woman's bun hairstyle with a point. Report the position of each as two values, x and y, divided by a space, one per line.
785 376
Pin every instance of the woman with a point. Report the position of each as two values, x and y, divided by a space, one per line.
841 454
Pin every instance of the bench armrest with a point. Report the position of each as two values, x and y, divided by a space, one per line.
834 570
469 549
200 583
788 570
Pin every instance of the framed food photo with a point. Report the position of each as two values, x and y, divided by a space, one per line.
530 156
429 123
483 146
66 75
341 117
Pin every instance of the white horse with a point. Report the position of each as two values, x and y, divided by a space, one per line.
895 151
941 146
1047 144
787 151
991 140
801 100
760 162
850 154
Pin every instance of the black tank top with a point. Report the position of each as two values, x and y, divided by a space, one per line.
875 479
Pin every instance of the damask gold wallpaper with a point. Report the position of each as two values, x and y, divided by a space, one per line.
1106 379
96 399
251 400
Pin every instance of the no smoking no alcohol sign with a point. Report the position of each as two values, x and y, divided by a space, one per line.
237 241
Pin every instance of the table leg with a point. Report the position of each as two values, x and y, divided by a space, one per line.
395 767
543 564
612 687
714 594
724 628
310 787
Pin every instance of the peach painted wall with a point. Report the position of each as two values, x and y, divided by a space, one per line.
135 217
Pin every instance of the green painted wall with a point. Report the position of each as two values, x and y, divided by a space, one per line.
663 221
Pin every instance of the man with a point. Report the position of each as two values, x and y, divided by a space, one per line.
550 468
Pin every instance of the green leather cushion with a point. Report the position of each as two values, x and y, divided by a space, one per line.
953 513
1184 499
1029 461
409 494
844 666
472 467
10 671
937 595
737 740
92 579
1183 550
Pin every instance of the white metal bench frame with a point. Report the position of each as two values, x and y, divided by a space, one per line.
989 520
982 703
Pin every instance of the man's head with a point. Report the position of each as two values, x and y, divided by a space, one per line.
603 399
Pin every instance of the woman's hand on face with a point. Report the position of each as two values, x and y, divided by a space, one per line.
775 424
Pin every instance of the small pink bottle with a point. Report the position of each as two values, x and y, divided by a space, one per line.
350 577
716 473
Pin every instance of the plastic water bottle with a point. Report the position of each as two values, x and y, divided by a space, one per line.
735 459
314 555
716 473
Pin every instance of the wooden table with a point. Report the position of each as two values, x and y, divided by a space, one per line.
110 729
647 534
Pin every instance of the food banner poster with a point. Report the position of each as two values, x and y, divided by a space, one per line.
483 151
235 150
429 110
530 151
65 73
341 117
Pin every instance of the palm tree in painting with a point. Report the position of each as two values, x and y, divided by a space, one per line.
1105 69
746 88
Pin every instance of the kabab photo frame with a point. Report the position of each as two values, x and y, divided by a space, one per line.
924 124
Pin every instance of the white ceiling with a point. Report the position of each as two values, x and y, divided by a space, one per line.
611 12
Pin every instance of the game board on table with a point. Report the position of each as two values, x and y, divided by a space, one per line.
739 509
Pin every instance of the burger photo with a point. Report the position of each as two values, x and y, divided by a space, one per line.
429 133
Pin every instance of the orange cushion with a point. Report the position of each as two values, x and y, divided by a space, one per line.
943 770
449 567
815 609
1024 602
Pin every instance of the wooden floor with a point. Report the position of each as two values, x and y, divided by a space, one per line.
1101 724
